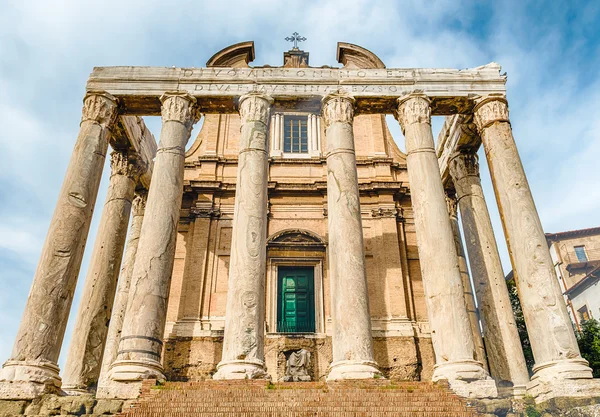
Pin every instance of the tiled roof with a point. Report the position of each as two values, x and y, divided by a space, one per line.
573 233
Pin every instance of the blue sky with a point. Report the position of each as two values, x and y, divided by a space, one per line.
550 50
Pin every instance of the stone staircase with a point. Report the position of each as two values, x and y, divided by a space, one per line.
298 399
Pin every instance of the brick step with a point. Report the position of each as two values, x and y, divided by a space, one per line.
380 398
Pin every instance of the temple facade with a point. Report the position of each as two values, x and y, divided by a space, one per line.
293 240
296 284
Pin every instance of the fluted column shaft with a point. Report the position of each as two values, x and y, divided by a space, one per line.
550 330
352 340
140 346
480 354
243 342
450 327
120 305
91 325
504 350
32 366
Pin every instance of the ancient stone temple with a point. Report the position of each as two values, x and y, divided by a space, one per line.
292 240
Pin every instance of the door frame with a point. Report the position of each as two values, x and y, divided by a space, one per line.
273 289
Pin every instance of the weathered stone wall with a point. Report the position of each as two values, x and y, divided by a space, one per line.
400 358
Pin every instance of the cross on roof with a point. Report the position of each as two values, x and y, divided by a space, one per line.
295 38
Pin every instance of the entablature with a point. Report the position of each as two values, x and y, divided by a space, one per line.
457 134
376 90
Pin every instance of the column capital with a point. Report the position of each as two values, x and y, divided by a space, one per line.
123 163
179 106
99 107
490 109
139 203
255 107
463 164
338 107
413 108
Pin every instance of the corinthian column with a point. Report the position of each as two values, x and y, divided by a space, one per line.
466 280
91 325
450 327
118 310
557 357
140 346
243 342
352 339
32 367
504 350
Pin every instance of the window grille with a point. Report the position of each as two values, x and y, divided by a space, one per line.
295 134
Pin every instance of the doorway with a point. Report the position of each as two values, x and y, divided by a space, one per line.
295 300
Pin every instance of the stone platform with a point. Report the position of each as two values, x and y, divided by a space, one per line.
259 398
377 397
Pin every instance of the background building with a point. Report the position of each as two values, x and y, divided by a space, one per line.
576 257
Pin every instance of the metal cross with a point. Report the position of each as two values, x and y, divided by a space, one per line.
295 38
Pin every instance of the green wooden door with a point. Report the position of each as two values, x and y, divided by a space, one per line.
296 300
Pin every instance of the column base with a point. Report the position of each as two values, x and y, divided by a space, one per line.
342 370
564 378
28 379
516 391
135 370
466 378
119 390
124 379
241 369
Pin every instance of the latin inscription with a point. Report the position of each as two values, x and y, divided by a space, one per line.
309 73
293 88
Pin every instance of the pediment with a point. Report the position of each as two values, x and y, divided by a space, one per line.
238 55
296 237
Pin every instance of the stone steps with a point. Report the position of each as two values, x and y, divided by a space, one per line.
298 399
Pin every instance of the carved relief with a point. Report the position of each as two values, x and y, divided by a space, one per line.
179 107
463 164
384 212
139 203
338 107
99 107
490 110
255 107
296 366
414 108
122 164
205 212
452 204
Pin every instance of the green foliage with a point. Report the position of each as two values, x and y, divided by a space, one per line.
530 411
521 327
270 385
588 340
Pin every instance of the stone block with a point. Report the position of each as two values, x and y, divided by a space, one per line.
585 411
106 406
12 407
77 405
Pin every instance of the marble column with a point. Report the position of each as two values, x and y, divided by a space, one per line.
91 325
120 305
32 367
243 342
553 341
352 340
448 319
505 354
480 354
140 347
